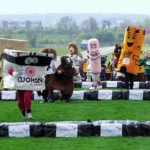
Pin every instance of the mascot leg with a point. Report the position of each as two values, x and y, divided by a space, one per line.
129 81
88 77
96 81
44 94
50 96
66 95
78 77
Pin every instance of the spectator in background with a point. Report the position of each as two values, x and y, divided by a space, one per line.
76 58
146 63
103 68
112 67
85 64
81 69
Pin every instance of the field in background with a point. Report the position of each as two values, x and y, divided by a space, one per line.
63 50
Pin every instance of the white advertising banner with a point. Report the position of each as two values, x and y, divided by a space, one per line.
111 130
105 94
136 94
69 130
30 69
19 131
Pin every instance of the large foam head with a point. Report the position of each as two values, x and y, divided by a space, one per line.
93 45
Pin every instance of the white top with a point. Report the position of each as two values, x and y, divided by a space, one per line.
51 67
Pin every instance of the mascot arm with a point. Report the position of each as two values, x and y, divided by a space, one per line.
76 57
59 70
12 72
75 73
94 57
116 63
79 58
141 63
52 65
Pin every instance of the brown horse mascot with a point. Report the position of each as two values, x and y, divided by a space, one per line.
61 80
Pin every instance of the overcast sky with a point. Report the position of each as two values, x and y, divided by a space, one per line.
74 6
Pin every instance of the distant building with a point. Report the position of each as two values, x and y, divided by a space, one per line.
106 24
16 24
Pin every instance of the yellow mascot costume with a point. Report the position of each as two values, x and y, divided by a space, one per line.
129 58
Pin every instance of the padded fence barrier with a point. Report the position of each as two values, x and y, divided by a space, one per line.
135 94
114 84
101 128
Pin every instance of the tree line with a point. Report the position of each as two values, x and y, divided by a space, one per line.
67 30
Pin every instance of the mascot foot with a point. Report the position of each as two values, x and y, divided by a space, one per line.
93 87
50 100
99 86
44 101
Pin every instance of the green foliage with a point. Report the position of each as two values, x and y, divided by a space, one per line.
32 38
90 25
20 31
8 33
146 22
105 37
41 37
119 38
66 25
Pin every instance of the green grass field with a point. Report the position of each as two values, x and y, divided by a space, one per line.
77 110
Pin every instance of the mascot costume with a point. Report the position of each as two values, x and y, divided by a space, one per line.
146 63
50 69
62 80
94 62
117 52
76 58
51 66
25 72
131 50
